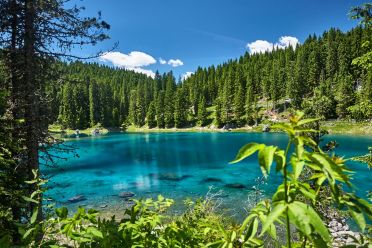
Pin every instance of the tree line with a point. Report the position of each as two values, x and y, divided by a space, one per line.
317 76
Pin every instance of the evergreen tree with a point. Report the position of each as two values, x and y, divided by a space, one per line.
160 110
202 112
151 114
169 101
344 97
132 116
180 110
94 108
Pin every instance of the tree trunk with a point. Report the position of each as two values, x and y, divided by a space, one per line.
32 104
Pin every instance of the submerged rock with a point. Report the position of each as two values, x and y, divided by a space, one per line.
235 186
169 176
211 180
126 194
77 198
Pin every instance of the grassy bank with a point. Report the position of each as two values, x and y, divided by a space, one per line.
348 127
58 130
333 127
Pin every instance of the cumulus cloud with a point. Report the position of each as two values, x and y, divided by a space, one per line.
286 41
186 75
162 61
133 61
261 46
175 62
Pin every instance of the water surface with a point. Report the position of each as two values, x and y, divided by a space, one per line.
175 165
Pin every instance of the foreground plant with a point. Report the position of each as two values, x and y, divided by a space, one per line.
293 202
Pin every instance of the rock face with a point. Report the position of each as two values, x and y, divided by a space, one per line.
126 194
77 198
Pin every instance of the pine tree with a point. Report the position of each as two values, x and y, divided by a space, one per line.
218 119
93 104
150 117
202 112
344 97
132 116
180 109
169 101
160 110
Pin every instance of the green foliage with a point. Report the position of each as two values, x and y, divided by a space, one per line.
324 170
202 112
151 114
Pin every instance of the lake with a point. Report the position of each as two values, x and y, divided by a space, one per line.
177 166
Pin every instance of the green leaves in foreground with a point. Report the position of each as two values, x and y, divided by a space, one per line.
266 155
307 170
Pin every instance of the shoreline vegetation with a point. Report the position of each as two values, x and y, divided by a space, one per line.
332 127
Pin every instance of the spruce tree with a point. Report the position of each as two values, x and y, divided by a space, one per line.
160 110
151 114
180 108
202 112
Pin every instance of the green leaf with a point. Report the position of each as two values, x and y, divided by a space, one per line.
233 236
333 171
28 199
252 229
307 191
247 151
280 160
307 220
297 166
62 212
286 127
95 232
29 231
359 219
305 121
265 158
273 216
34 215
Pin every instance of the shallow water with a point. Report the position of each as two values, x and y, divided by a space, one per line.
175 165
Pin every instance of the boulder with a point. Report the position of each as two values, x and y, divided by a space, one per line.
266 128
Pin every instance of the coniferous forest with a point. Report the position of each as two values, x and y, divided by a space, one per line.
317 76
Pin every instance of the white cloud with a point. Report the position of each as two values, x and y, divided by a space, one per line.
162 61
261 46
286 41
133 61
175 62
186 75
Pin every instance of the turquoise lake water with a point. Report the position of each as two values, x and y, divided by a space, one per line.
175 165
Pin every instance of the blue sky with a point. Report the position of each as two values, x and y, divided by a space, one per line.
181 35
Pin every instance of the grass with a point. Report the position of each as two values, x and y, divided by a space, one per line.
57 129
348 127
333 127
